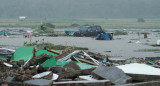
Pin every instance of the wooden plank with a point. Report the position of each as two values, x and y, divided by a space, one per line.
53 51
86 61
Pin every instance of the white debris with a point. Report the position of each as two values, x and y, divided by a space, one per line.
136 68
6 49
41 74
116 59
8 65
87 77
158 42
138 42
55 77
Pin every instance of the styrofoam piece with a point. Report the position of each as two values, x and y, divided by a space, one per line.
87 77
138 42
158 42
55 77
41 74
137 68
8 65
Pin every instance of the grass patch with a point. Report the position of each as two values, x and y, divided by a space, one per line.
131 23
52 46
62 47
147 50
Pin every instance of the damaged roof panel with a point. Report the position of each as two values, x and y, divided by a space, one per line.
22 53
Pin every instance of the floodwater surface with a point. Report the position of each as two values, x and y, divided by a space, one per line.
123 46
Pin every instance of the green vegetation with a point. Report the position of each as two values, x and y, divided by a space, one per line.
147 50
46 28
68 23
141 20
52 46
120 32
156 31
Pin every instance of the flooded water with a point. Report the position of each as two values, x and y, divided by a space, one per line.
119 47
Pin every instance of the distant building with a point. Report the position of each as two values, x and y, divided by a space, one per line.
22 18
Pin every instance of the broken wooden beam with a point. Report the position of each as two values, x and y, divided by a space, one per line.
86 61
53 51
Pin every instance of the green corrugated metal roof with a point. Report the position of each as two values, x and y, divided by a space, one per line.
62 63
85 66
49 63
2 57
22 53
45 52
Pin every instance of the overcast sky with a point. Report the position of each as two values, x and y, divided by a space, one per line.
80 8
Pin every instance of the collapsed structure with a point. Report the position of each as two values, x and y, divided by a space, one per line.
32 66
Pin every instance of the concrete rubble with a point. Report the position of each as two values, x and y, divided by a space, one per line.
48 67
112 73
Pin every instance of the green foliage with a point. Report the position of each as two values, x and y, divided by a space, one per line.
120 32
52 46
147 50
46 28
130 23
75 25
141 20
30 44
49 25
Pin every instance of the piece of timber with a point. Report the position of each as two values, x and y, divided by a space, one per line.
86 61
53 51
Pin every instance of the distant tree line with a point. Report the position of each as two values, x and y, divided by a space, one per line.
80 8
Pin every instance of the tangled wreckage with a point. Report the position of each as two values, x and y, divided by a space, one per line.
32 66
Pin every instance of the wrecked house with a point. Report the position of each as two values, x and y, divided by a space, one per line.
33 66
